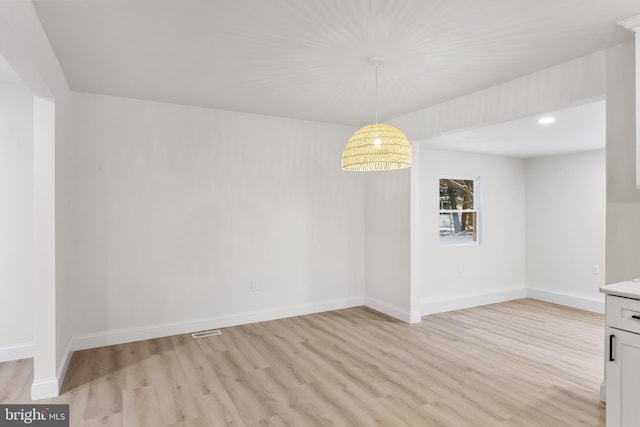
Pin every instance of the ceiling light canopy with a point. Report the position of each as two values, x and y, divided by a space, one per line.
379 146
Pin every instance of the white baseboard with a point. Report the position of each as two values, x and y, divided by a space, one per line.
473 300
16 351
392 310
120 336
64 364
45 388
603 392
581 303
415 316
50 387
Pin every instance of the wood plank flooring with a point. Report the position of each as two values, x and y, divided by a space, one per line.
520 363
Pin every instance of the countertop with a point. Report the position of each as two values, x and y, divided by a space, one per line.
628 289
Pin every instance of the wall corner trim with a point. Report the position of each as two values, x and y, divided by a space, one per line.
415 317
391 310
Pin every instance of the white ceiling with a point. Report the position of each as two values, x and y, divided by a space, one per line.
578 128
307 58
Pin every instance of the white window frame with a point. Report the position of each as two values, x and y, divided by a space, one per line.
477 209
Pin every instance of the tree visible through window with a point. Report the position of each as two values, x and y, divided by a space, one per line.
458 210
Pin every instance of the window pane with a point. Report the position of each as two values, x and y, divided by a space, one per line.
458 227
456 194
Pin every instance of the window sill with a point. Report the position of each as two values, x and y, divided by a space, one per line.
457 245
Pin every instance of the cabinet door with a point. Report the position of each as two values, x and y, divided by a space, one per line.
623 379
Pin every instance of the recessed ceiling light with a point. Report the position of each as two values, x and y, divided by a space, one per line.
547 120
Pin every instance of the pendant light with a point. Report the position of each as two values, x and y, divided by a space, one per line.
379 146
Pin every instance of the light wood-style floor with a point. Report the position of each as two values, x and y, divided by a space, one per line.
520 363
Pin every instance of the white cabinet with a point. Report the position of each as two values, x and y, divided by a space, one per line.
623 378
622 355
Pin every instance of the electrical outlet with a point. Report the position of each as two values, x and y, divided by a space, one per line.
595 270
254 286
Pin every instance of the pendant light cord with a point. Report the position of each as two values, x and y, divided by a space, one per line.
376 93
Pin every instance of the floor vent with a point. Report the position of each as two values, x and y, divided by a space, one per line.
205 334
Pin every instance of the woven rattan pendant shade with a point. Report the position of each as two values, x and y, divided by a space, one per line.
376 148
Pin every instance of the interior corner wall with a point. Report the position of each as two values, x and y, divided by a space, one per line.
460 276
623 198
25 46
565 225
387 243
177 210
16 224
573 82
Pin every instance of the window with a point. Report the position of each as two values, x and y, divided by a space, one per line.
458 210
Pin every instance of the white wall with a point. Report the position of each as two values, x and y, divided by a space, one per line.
16 199
573 82
24 44
467 275
177 209
623 198
387 243
565 226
